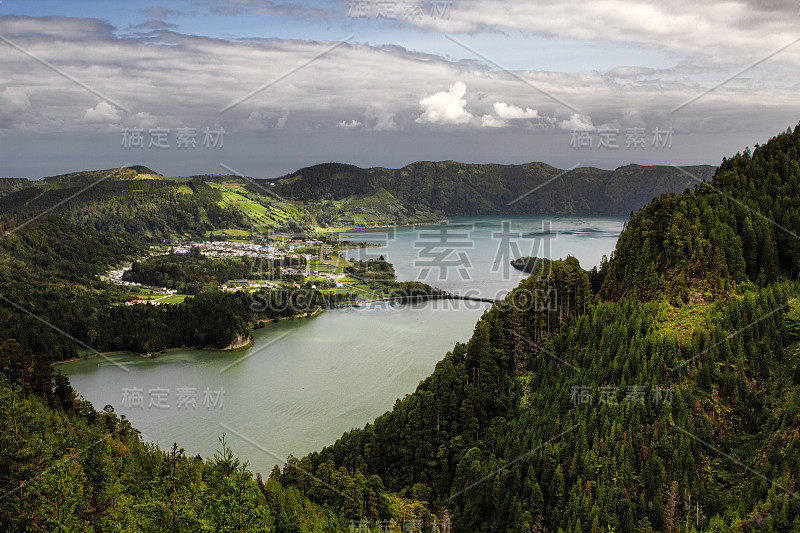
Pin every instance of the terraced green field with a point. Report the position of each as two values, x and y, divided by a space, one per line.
263 211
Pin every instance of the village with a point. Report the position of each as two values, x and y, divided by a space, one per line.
297 249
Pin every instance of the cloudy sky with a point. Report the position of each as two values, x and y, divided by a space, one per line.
389 82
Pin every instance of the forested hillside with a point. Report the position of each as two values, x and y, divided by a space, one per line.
48 272
628 409
138 201
9 185
450 188
123 201
744 225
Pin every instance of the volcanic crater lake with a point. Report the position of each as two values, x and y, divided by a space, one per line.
305 382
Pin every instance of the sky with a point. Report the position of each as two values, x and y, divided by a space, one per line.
265 87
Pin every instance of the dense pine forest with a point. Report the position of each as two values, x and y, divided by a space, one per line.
743 226
659 392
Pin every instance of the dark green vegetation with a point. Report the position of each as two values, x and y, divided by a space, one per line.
449 188
371 269
48 267
126 201
744 226
139 201
529 264
9 185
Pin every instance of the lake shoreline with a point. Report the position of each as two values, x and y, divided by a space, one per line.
155 355
245 343
238 344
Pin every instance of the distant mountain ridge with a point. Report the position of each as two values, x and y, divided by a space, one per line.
143 202
452 188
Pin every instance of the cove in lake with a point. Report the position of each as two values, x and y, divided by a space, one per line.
305 382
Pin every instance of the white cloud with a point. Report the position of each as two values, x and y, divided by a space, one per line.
143 120
577 122
14 106
13 100
266 120
381 120
281 122
490 121
446 107
513 112
349 125
738 31
102 113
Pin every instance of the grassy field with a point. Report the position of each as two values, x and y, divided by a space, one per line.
319 266
332 229
264 211
142 293
147 294
337 260
229 233
267 212
683 320
174 299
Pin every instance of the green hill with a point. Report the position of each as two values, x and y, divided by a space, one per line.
137 202
87 176
742 226
450 188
